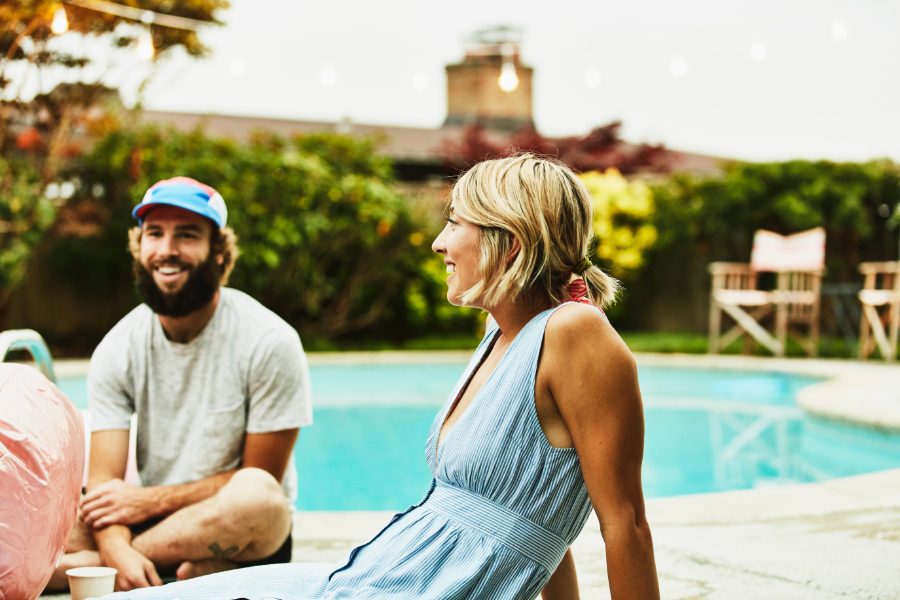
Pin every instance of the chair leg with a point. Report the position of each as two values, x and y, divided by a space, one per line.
894 329
715 324
781 325
877 325
863 334
814 335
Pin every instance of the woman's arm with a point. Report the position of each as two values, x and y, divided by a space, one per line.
592 379
563 584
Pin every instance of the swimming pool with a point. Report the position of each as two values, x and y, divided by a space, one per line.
707 430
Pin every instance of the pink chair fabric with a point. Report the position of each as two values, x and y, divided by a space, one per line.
41 463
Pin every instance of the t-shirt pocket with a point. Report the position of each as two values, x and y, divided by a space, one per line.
221 442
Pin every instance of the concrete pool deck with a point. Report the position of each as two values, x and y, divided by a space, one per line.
835 539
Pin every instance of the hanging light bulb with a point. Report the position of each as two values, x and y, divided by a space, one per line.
758 51
838 30
145 47
60 23
678 67
509 79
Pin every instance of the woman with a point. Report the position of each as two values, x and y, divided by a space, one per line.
545 424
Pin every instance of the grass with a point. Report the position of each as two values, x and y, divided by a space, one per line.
639 341
444 342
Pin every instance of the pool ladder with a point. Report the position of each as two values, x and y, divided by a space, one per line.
31 341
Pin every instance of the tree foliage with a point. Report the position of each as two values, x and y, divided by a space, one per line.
25 214
41 121
326 239
718 216
623 224
600 149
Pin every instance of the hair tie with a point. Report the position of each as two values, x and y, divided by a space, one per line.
578 291
583 266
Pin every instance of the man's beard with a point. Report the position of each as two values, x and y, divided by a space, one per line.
198 291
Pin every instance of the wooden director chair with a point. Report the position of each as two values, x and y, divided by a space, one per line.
880 316
793 305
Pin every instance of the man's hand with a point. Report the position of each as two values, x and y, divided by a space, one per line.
115 502
134 569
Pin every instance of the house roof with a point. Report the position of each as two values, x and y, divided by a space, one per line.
419 145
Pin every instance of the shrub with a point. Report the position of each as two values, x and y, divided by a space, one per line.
25 215
622 221
326 239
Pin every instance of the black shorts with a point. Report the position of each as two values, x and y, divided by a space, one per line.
282 555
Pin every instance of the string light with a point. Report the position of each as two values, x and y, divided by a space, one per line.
839 30
60 22
509 79
146 17
236 67
328 77
678 67
758 51
592 78
145 49
419 82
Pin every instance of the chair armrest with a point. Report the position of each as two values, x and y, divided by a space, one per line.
729 268
877 268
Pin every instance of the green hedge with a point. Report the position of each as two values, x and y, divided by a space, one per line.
326 239
718 216
705 219
26 213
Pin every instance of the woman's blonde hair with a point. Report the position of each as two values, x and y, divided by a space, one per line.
222 241
545 207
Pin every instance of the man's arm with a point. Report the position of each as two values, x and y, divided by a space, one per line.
108 460
115 502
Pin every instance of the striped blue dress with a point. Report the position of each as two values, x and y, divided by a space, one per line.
503 508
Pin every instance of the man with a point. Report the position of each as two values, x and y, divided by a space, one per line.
218 386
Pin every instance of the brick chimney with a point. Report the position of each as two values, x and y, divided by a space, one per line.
474 92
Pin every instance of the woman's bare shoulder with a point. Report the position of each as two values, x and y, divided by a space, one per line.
582 330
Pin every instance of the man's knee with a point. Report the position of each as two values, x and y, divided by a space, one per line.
254 494
252 478
256 503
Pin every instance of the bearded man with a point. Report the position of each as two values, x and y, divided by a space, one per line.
217 387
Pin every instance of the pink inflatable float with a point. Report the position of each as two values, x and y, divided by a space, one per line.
41 462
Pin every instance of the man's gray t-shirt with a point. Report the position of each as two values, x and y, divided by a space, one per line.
245 373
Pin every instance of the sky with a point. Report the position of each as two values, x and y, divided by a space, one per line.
754 80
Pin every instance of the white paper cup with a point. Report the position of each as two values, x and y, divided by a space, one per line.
91 582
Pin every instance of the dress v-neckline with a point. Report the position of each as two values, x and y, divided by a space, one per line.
453 406
439 443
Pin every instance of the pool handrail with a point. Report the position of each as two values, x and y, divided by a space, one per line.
31 341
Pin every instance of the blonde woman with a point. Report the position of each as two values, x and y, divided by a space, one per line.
544 426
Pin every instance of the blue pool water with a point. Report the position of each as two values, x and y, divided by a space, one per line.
707 430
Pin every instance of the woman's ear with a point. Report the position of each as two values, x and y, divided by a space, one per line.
514 248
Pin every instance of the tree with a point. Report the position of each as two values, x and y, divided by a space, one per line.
622 221
25 214
602 148
39 122
326 239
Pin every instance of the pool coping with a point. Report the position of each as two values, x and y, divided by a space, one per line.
859 392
